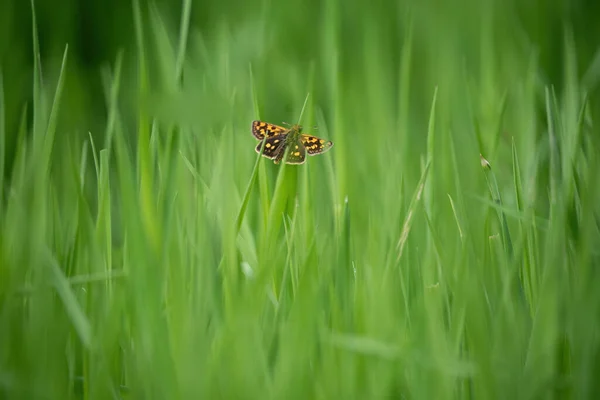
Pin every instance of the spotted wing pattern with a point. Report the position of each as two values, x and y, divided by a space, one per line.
297 154
315 145
274 146
261 129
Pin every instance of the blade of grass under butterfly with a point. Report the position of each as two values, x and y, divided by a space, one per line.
255 170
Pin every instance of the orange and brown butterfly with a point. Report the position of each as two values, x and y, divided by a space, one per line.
278 139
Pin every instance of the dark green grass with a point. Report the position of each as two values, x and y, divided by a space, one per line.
445 247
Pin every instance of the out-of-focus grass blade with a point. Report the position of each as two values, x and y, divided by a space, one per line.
406 226
94 156
111 101
246 198
41 161
553 144
428 190
511 212
103 219
255 170
495 193
183 36
277 207
2 139
499 120
403 122
78 280
39 106
53 119
579 130
364 345
144 159
263 183
517 177
19 163
456 218
527 268
72 307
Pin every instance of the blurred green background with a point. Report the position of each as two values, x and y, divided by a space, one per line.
473 33
147 251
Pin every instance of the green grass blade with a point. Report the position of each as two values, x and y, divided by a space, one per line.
39 106
412 207
75 312
553 143
251 182
183 37
53 119
112 102
2 139
496 198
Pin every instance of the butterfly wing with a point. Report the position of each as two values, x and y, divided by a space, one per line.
297 154
315 145
261 129
274 146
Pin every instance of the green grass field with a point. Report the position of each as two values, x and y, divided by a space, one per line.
445 248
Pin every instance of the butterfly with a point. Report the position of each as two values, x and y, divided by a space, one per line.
279 139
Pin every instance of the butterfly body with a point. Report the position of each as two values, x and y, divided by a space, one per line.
278 140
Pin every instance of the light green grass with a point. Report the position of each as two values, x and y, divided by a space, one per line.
164 259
